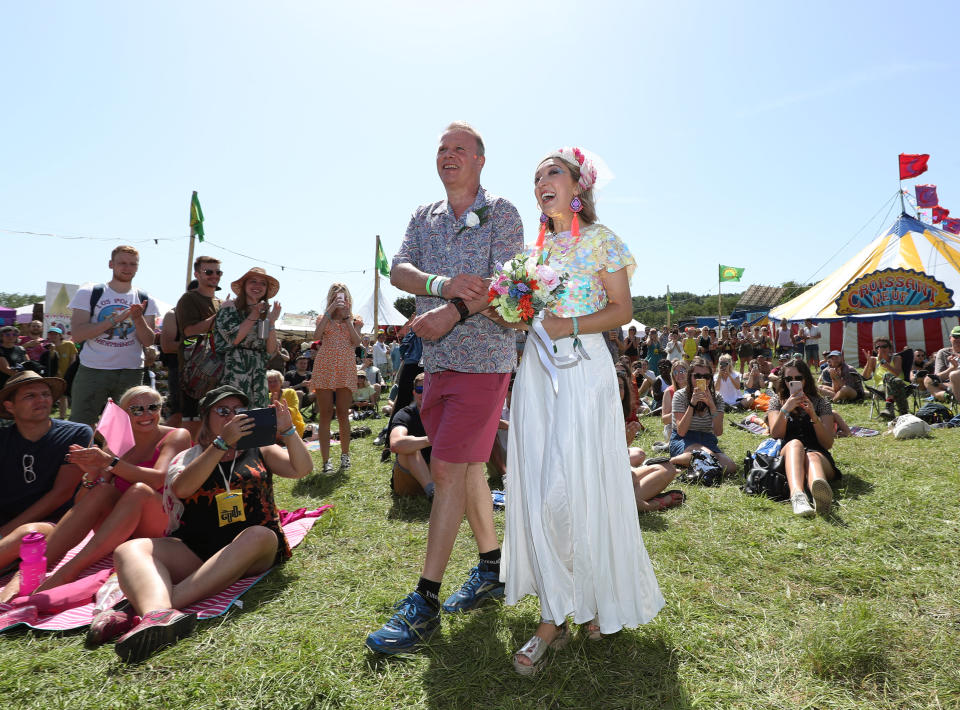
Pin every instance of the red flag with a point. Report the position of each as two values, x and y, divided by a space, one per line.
952 225
913 165
940 214
926 195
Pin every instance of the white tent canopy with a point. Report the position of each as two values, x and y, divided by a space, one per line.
386 313
641 328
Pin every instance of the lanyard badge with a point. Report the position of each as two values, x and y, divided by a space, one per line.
229 503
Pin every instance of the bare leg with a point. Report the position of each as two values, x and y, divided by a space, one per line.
795 463
344 400
418 468
818 467
325 414
449 506
648 481
10 551
138 513
480 508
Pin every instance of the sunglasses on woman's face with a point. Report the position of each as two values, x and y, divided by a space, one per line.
227 411
701 375
418 389
680 371
138 409
793 378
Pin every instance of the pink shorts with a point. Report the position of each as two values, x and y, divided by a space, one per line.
460 413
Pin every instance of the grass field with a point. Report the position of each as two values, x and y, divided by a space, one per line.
764 610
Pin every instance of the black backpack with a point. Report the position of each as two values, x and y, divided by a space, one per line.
934 413
766 476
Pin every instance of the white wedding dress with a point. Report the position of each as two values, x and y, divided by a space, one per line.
572 533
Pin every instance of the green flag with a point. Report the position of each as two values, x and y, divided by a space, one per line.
669 307
196 216
730 273
383 266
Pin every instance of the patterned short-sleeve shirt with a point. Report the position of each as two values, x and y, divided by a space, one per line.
436 242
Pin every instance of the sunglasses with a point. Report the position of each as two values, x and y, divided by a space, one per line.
793 378
701 375
418 389
138 409
211 272
29 475
227 411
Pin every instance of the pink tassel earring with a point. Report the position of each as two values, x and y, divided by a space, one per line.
543 230
575 206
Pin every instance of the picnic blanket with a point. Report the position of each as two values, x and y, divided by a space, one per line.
296 524
862 431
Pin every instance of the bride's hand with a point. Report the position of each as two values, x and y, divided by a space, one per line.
556 326
491 313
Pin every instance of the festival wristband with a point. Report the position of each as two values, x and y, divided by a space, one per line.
288 432
221 444
461 308
438 285
429 285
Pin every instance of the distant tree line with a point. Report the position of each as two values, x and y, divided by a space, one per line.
15 300
652 310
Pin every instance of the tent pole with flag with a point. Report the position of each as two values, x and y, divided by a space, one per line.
380 266
669 309
196 230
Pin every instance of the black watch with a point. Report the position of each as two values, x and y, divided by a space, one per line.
461 308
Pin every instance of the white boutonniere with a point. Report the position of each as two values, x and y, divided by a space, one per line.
474 219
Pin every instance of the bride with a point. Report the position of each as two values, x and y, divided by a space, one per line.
572 536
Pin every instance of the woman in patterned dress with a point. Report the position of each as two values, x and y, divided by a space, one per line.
572 536
335 370
243 332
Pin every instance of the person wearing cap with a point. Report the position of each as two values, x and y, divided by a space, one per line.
365 396
12 355
411 445
114 321
885 368
223 521
195 312
774 376
838 381
36 481
947 365
244 333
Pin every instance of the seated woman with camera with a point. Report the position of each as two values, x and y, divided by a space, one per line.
804 421
727 384
698 418
224 523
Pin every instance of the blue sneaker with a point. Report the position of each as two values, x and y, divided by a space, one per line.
480 586
415 621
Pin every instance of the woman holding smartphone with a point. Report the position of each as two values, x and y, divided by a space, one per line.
243 332
804 420
335 371
698 418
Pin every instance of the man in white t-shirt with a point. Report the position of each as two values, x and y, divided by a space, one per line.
113 334
811 344
381 355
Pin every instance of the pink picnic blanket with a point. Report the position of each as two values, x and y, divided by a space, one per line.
296 525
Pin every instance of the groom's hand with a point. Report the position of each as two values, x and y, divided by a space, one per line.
436 323
469 287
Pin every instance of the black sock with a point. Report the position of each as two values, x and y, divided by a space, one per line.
429 590
490 561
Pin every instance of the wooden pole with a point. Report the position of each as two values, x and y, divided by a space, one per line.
719 300
376 289
193 239
668 308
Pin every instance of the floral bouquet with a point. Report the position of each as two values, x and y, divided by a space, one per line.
524 287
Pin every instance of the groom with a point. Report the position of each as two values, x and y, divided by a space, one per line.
450 248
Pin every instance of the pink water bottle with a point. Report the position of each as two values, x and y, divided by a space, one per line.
33 562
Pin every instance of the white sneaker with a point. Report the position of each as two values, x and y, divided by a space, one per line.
822 495
327 468
801 506
344 461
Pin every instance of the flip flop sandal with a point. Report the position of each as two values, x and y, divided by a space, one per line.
535 651
670 499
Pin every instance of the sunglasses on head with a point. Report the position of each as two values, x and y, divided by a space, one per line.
227 411
701 375
793 378
418 389
210 272
138 409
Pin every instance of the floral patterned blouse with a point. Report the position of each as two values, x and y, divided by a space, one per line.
598 250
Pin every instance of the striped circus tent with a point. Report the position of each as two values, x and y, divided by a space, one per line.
908 244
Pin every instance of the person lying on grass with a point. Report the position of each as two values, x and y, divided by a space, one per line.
118 498
224 524
804 421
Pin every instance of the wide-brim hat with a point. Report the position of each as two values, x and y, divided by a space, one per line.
219 394
57 387
273 286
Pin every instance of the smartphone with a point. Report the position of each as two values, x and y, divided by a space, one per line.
795 386
264 428
341 299
701 385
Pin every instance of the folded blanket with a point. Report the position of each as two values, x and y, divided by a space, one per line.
295 525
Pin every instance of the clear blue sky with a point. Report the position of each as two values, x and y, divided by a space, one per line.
758 135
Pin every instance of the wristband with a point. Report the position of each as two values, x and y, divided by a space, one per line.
429 284
576 332
288 432
112 465
461 308
438 285
221 444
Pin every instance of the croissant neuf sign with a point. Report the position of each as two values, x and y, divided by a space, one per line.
891 290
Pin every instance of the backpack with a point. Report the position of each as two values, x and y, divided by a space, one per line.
704 469
766 476
934 413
